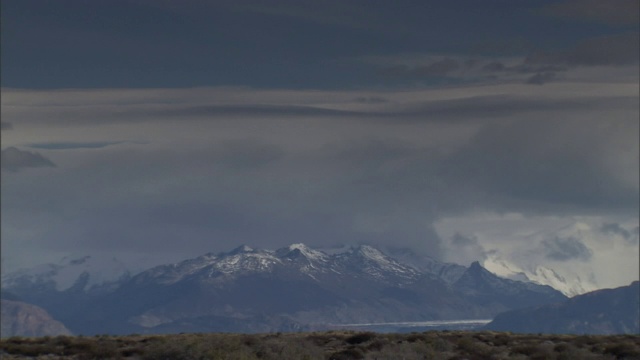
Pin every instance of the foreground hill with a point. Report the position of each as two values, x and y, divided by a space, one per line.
22 319
608 311
338 345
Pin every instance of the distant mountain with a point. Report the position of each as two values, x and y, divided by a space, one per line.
607 311
289 289
86 274
22 319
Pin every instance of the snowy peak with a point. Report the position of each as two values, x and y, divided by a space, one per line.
299 246
375 263
297 251
242 249
371 253
246 261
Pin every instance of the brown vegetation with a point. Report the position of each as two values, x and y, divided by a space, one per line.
452 345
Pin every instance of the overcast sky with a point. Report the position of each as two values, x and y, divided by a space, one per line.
499 131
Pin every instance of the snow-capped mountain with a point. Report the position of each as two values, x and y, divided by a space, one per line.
245 260
85 273
290 288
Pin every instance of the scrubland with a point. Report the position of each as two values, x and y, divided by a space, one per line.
451 345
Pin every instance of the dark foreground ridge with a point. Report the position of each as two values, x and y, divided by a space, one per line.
606 311
446 345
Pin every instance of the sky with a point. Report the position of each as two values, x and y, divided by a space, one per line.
498 131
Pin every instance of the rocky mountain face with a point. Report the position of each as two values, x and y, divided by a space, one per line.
289 289
22 319
607 311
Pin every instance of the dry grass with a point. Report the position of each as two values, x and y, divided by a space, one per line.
452 345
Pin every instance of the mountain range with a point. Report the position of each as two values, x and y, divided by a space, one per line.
289 289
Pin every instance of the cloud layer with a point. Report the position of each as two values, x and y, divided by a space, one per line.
463 132
183 172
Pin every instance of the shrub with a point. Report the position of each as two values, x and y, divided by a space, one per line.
623 350
347 354
470 346
377 345
441 345
360 338
527 350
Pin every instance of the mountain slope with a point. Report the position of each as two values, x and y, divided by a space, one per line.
483 287
607 311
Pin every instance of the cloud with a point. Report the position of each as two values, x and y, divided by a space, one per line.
494 66
621 49
465 249
563 249
541 78
73 145
334 13
517 242
612 12
536 68
382 172
320 105
246 154
630 237
371 99
501 47
254 110
6 126
14 159
462 241
538 160
437 68
615 228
